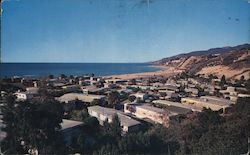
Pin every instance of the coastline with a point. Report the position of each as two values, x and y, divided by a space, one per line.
47 69
165 72
38 70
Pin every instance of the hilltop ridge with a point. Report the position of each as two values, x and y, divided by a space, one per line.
233 62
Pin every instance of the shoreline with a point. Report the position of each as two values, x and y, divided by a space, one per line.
165 72
160 70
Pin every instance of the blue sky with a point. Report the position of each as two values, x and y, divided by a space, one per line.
118 30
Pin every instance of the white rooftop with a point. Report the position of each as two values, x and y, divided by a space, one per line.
151 108
177 104
212 100
218 100
83 97
125 120
32 90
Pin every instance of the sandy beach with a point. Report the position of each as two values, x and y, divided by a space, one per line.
165 72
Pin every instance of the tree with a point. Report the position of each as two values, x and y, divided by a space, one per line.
184 75
208 117
63 76
91 125
89 137
131 98
247 85
223 81
106 128
71 77
11 143
224 137
182 88
42 125
132 81
242 79
79 115
51 76
211 77
43 89
115 127
113 98
95 102
34 124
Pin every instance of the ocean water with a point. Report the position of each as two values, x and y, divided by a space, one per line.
99 69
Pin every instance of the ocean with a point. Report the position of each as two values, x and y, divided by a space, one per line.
99 69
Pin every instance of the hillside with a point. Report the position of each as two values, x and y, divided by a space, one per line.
230 61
